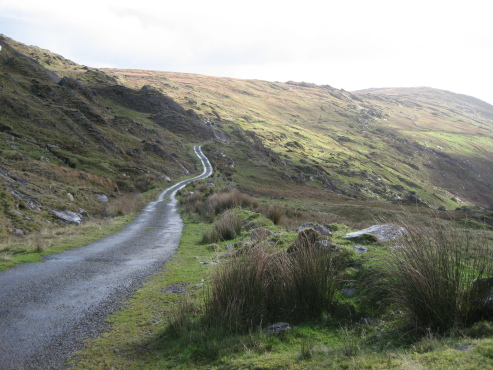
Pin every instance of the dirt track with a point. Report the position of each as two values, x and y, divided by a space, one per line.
47 308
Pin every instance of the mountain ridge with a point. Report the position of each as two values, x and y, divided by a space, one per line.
126 131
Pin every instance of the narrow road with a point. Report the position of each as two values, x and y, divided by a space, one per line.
47 308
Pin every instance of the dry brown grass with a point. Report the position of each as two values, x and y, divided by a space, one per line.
125 205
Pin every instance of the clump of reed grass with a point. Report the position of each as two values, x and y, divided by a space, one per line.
125 205
209 204
227 227
257 288
441 276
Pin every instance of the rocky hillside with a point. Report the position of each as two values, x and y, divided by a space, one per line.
68 145
74 138
417 145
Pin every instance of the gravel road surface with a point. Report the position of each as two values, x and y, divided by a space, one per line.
47 308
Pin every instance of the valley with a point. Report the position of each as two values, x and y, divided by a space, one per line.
83 150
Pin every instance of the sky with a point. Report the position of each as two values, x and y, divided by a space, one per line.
347 44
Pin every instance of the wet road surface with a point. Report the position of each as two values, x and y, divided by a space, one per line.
47 308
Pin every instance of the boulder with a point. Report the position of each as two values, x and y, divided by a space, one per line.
309 237
67 216
321 229
260 234
383 233
277 328
102 198
360 249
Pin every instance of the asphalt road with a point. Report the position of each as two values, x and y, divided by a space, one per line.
47 308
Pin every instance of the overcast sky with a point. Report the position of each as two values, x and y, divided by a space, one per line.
349 44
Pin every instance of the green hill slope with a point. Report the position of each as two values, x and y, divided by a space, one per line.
393 144
70 133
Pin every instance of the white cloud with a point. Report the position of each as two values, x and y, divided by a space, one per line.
350 44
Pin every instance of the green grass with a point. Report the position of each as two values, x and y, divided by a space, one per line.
162 330
33 248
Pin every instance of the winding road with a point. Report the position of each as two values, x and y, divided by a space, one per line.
47 308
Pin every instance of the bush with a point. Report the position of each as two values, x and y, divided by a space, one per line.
124 205
226 199
208 204
441 277
274 213
227 227
258 288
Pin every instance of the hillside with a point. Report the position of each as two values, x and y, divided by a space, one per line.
392 144
68 146
71 134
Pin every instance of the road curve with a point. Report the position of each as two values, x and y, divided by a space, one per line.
47 308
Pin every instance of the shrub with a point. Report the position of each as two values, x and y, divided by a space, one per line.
441 277
257 288
125 204
274 213
227 198
227 227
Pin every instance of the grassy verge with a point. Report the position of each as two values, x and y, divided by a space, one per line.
161 328
134 340
33 248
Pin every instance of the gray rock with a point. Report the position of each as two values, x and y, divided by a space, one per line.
277 328
18 232
260 234
321 229
102 198
175 288
83 213
464 348
382 232
67 216
360 249
348 291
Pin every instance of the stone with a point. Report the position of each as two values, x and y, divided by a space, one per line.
464 348
175 288
18 232
383 233
83 213
321 229
278 328
360 249
67 216
307 238
70 197
325 244
348 291
102 198
260 234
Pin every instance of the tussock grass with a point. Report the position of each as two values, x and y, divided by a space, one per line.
258 288
274 213
209 204
125 205
441 276
227 227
